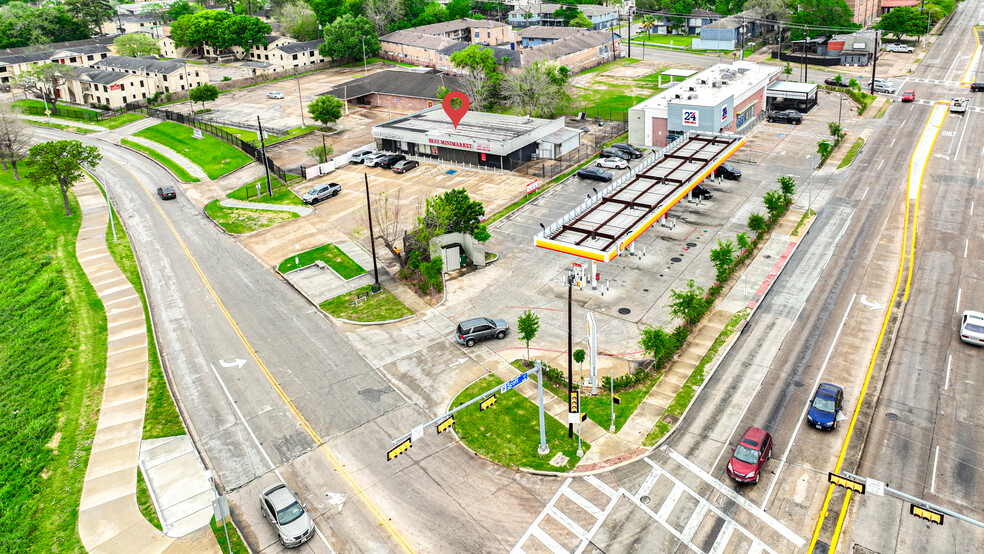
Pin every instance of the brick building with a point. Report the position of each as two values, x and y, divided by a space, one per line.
405 91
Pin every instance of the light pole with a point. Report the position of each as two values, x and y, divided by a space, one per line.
809 187
365 65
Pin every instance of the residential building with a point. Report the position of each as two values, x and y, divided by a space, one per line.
398 89
409 46
889 5
690 25
143 7
537 35
103 87
149 23
602 17
729 33
864 11
577 53
850 49
625 8
14 64
168 75
469 30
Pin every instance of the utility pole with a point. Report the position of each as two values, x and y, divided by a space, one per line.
630 33
570 355
266 165
372 238
191 105
874 63
299 100
365 65
806 68
543 449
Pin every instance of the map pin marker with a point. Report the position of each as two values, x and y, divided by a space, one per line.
455 113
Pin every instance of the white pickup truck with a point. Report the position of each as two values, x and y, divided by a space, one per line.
958 105
896 47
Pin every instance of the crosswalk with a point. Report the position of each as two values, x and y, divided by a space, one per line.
573 517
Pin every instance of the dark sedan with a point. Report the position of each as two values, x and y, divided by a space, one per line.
594 174
389 161
615 153
166 193
404 166
824 406
836 83
728 171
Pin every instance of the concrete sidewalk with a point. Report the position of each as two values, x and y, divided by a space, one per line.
109 519
62 121
300 210
175 157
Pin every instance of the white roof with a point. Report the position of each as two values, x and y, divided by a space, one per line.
787 86
679 72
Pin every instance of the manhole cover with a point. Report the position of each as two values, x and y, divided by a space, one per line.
660 274
797 383
645 499
892 417
767 256
646 290
691 244
675 259
624 311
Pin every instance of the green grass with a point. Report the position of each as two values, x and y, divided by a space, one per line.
807 215
161 417
281 194
179 172
120 120
145 503
376 60
610 65
332 255
849 157
53 360
661 40
508 433
689 388
39 104
215 157
243 220
382 306
516 205
251 136
238 547
71 128
883 109
571 171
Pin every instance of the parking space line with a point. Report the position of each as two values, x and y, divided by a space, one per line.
690 529
548 541
724 535
567 522
535 527
647 484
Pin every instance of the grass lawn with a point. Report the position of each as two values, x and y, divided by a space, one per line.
39 104
251 136
238 547
215 157
516 205
70 128
120 120
53 355
145 503
508 433
281 194
332 255
174 168
610 65
376 60
243 220
382 306
849 157
660 40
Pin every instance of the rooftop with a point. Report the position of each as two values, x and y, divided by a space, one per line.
543 31
479 126
549 8
712 85
554 50
396 82
295 47
99 76
140 64
500 53
414 38
457 25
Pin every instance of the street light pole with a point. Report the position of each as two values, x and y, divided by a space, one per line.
570 358
299 99
365 65
372 238
809 188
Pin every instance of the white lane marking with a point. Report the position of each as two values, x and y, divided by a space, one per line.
932 485
594 529
600 486
243 419
946 383
880 164
806 408
866 189
972 203
548 541
532 529
966 243
584 503
690 529
958 302
752 398
959 142
567 522
669 528
724 535
670 502
647 485
893 140
736 498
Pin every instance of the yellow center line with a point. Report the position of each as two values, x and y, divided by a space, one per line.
339 467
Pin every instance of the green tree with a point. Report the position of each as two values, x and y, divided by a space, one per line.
453 211
723 257
476 59
134 45
432 271
728 7
297 20
689 305
344 38
677 7
835 131
788 70
757 223
744 243
647 23
60 163
528 324
433 13
42 80
824 148
578 356
321 153
534 90
204 27
822 16
91 12
481 233
459 8
788 187
481 81
244 31
658 344
203 93
326 109
568 13
328 11
775 204
581 21
178 9
903 20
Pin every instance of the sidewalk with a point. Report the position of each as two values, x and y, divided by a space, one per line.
109 519
299 210
182 161
61 121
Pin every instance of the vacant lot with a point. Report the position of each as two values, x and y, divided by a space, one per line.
215 157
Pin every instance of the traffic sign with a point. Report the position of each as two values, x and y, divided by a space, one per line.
417 433
47 112
513 382
875 487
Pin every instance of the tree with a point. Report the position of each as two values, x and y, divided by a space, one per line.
788 70
824 148
60 162
459 8
757 223
344 38
788 187
42 80
728 7
330 10
825 14
582 21
775 204
326 109
480 77
244 31
647 23
134 45
903 20
383 13
689 305
297 20
177 9
528 324
723 257
204 27
534 90
744 243
453 211
578 356
321 153
91 12
659 344
433 13
682 7
203 93
15 139
567 12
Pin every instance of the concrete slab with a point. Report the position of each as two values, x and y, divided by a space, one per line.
176 480
121 374
109 487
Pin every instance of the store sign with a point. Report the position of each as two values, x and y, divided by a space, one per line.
690 117
724 113
483 147
451 143
385 135
114 87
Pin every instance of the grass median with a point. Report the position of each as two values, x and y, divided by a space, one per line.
379 306
179 172
245 220
333 256
215 157
849 157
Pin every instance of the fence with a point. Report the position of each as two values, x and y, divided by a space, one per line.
547 169
68 113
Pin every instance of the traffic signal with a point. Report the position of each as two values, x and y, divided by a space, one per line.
399 449
845 482
445 425
488 402
927 514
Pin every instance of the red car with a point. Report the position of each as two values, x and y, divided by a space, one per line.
909 96
754 448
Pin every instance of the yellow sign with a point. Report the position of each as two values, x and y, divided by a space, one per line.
400 449
575 402
487 403
445 425
927 514
47 112
845 482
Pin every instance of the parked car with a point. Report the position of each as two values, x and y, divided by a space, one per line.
389 161
275 95
613 163
404 166
754 448
702 192
632 151
896 47
615 153
885 88
786 116
321 192
977 87
908 96
287 515
835 83
479 329
166 192
594 174
372 160
359 156
824 406
728 171
972 327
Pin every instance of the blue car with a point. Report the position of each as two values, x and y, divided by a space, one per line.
824 406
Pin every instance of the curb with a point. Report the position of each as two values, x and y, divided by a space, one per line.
159 164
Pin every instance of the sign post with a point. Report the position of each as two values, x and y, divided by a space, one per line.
543 448
593 353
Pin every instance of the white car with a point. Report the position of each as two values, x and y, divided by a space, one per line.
885 88
972 327
373 159
275 95
898 48
612 163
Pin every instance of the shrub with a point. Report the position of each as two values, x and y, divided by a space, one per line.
775 204
640 375
658 344
228 78
723 258
743 241
689 305
757 223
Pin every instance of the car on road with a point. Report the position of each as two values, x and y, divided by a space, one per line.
479 329
959 105
835 83
896 47
728 171
748 458
612 163
389 161
594 174
166 192
372 160
287 515
702 192
321 192
972 327
359 156
404 166
615 153
632 151
885 87
908 96
785 116
824 406
275 95
977 87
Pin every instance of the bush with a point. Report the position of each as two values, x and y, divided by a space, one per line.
640 375
723 258
758 223
775 204
689 305
659 344
228 78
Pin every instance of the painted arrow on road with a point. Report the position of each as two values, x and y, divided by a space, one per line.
237 362
870 303
460 361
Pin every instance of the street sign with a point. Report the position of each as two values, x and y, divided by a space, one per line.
874 487
513 382
398 449
927 514
417 433
848 484
196 133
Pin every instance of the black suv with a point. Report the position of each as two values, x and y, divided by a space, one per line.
702 192
836 83
787 116
389 161
729 172
615 153
594 174
632 151
977 87
479 329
